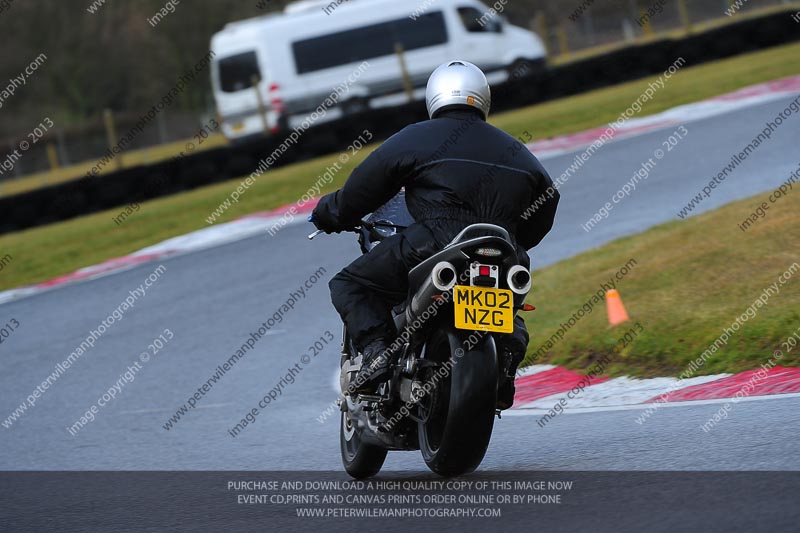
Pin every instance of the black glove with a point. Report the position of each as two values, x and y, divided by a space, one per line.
320 225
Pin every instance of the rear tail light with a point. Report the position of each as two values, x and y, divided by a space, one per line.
276 102
488 252
275 99
483 275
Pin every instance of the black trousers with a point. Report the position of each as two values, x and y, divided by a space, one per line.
365 292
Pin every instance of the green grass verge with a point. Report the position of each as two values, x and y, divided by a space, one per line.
691 280
45 252
690 84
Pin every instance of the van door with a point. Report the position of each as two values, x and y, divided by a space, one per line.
427 43
479 38
235 92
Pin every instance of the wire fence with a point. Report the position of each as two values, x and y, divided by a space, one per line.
577 25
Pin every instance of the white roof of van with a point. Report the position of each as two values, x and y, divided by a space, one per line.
305 11
307 5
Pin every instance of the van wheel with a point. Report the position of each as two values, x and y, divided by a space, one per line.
355 106
522 69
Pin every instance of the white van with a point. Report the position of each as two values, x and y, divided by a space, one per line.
297 57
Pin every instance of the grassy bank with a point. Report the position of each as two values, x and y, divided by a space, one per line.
45 252
691 280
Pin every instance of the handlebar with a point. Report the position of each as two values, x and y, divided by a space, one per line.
316 233
369 226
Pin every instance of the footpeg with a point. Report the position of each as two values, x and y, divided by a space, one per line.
371 398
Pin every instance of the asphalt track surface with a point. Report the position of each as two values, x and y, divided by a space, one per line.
213 299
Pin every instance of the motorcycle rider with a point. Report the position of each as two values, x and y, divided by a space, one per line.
457 170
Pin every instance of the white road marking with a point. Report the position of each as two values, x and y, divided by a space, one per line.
620 391
684 114
641 406
533 369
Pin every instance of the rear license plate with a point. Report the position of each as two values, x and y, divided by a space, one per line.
483 309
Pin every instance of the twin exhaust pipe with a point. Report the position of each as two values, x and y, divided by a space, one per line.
444 278
519 280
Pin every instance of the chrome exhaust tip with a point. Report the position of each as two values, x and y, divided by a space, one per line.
444 276
519 280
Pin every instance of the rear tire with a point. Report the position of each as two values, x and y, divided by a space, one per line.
459 416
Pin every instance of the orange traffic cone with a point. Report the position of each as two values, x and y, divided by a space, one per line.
616 311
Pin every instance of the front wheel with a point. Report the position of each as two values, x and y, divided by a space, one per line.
360 460
457 416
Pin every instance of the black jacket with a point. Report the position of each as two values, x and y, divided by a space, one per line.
456 170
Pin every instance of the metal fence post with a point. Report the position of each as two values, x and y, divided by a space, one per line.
262 109
111 135
407 83
647 26
685 19
52 157
544 34
563 42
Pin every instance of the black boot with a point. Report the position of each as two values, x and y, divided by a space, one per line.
506 390
375 367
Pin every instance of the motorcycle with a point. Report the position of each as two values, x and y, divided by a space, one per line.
442 394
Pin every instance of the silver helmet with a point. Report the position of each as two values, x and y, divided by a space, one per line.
458 83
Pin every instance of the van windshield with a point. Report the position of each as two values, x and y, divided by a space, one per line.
236 72
368 42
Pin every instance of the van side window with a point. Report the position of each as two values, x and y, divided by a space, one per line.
476 21
369 42
236 72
